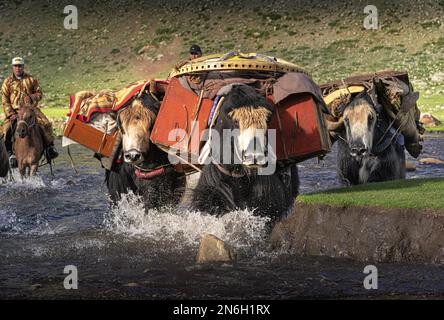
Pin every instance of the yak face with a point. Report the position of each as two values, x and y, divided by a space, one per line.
26 120
242 126
360 120
135 123
252 123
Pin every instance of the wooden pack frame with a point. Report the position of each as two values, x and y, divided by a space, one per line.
300 129
88 136
362 78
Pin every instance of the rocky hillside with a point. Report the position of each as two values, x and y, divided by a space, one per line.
121 41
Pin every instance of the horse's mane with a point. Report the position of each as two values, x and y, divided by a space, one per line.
25 107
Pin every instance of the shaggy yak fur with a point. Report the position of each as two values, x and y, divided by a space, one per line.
235 186
161 190
385 160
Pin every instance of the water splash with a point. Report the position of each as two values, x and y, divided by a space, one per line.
184 228
31 183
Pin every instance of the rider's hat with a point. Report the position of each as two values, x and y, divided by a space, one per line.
195 49
18 61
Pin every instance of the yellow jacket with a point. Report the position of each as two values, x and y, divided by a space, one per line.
14 90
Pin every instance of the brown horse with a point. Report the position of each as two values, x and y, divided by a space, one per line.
28 144
4 161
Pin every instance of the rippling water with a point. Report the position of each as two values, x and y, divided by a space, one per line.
49 222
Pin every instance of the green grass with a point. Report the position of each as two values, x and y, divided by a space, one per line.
439 128
55 113
413 194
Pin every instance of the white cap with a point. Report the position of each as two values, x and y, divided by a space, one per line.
18 61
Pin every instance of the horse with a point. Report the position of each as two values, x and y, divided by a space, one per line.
140 166
28 141
4 159
224 187
369 148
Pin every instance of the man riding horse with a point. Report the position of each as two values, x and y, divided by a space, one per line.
21 89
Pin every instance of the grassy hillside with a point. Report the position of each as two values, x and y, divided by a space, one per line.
413 193
121 41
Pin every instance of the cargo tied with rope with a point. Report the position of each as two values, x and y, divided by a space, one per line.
92 120
391 90
196 90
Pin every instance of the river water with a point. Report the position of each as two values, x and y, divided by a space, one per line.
47 223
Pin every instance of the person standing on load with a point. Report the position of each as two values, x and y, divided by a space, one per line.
21 89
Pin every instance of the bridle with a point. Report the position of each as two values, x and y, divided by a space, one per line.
28 125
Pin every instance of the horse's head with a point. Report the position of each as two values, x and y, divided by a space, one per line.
245 114
135 123
26 119
359 120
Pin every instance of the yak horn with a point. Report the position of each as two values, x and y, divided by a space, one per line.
334 126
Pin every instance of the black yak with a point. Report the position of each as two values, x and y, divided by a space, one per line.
369 148
238 183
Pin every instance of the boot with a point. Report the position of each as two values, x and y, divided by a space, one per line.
8 144
12 160
51 152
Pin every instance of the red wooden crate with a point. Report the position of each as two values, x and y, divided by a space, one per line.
178 110
300 130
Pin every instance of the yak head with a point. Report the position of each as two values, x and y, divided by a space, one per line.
135 123
360 118
242 126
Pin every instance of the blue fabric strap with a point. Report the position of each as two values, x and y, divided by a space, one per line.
213 108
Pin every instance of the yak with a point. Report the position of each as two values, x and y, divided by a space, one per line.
238 184
369 148
141 167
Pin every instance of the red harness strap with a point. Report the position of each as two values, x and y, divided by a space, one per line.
149 174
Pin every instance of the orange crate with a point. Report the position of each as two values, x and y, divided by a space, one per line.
299 124
88 136
178 110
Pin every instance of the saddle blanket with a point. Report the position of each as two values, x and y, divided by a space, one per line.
103 102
